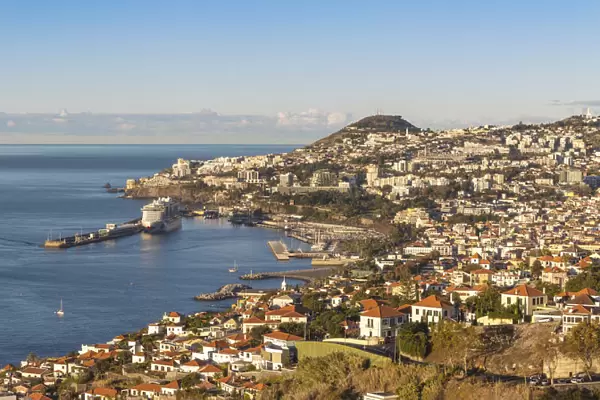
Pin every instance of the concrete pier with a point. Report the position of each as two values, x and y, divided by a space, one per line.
279 250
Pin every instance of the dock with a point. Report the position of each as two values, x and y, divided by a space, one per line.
111 232
306 275
279 250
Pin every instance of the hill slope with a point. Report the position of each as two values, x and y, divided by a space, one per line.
374 123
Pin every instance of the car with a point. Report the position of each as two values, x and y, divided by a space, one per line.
560 381
577 379
545 382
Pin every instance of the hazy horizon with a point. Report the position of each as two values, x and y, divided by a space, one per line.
238 72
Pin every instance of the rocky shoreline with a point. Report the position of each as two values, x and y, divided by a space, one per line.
228 291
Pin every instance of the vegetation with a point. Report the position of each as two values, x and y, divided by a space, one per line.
583 343
413 339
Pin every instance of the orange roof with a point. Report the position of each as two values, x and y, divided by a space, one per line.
39 396
192 363
546 258
210 369
482 272
33 370
588 291
432 301
229 351
381 312
370 303
278 335
254 320
577 309
524 291
172 385
148 387
405 308
164 362
102 391
475 255
174 314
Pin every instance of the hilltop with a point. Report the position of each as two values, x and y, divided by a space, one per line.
373 123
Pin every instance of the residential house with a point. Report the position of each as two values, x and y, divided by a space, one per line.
526 297
381 321
100 393
432 309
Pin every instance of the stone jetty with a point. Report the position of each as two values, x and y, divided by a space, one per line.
228 291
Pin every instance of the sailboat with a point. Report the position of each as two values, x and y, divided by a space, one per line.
235 268
60 312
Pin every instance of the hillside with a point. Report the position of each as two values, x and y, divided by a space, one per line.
374 123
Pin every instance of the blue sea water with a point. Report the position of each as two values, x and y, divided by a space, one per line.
112 287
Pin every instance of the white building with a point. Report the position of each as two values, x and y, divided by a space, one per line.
526 297
381 321
181 168
432 309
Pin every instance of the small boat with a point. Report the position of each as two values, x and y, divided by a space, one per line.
235 267
60 312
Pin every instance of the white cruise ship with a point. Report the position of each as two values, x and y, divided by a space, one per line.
161 216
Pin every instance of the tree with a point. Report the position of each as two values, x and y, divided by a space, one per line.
293 328
412 339
257 333
548 349
32 358
583 343
536 269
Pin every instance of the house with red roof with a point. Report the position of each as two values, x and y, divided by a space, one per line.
100 393
173 317
209 371
170 389
146 390
481 276
381 321
526 297
282 339
432 309
163 365
554 275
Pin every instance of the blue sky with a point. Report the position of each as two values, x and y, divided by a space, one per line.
437 63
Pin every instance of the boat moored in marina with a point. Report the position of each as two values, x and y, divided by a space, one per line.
161 216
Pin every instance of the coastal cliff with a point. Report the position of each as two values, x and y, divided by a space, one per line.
183 193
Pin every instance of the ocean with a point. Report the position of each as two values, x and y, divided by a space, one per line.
111 287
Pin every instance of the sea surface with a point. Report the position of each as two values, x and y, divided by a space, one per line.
111 287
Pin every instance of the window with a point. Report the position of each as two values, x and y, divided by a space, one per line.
417 311
445 313
508 300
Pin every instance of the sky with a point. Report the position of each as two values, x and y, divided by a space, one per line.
286 71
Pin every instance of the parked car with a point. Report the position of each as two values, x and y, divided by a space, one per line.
579 378
560 381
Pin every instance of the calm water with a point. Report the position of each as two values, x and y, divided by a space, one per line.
116 286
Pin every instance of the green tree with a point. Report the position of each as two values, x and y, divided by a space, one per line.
548 350
293 328
257 333
583 343
536 269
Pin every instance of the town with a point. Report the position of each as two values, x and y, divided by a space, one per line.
464 259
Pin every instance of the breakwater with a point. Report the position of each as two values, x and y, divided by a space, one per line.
306 275
228 291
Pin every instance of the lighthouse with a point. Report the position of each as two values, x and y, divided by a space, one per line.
283 285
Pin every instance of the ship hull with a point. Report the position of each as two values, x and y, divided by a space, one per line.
160 227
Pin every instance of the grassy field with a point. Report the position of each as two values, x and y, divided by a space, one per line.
320 349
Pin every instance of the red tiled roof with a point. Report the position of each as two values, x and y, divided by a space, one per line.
278 335
148 387
381 312
524 291
432 301
210 369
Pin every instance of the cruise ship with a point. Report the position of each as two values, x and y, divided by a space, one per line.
161 216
